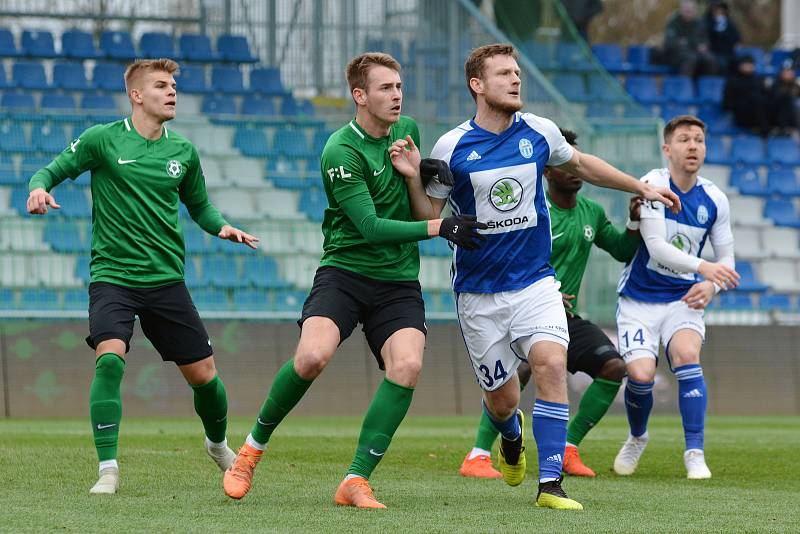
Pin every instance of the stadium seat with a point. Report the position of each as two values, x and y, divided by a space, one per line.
228 79
671 110
717 152
157 45
8 48
782 275
783 151
70 76
780 243
220 271
109 76
749 182
571 56
542 54
644 89
435 247
313 203
782 181
196 47
12 138
250 300
610 57
735 300
748 242
777 302
190 273
639 58
73 201
8 176
29 75
235 48
782 212
207 299
748 149
267 81
262 271
75 299
38 43
194 239
287 300
5 83
48 138
251 142
749 281
759 60
38 298
710 89
117 45
21 104
634 110
678 89
31 164
101 107
77 44
604 89
572 86
64 236
192 79
291 142
218 105
256 106
600 110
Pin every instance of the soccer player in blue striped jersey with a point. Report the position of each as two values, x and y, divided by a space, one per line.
508 301
662 294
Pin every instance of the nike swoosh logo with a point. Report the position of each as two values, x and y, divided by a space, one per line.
125 161
262 423
376 173
103 427
373 453
556 236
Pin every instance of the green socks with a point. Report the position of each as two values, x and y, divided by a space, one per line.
286 391
385 413
487 433
211 404
594 405
105 404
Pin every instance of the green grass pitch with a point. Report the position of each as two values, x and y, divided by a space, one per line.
170 485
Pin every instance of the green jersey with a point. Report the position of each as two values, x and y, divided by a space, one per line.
573 232
368 227
137 240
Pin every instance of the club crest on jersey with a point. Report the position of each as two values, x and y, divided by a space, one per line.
588 233
702 214
681 242
174 168
505 194
525 148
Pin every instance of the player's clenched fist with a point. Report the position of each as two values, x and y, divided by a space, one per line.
38 201
462 230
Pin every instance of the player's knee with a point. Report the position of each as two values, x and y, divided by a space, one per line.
404 371
613 369
684 355
641 375
309 362
502 408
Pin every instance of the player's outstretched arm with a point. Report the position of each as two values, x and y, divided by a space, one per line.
598 172
39 200
238 236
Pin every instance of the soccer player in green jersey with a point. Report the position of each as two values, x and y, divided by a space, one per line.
368 274
140 172
576 223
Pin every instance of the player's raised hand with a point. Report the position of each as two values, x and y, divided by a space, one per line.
665 195
405 157
462 231
431 167
699 295
38 201
237 236
635 208
720 274
567 300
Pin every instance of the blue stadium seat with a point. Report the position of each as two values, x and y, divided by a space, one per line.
748 149
742 173
8 300
21 103
717 121
235 48
262 271
716 151
220 271
735 300
671 110
31 164
70 76
710 89
572 86
5 83
190 273
749 281
267 81
288 300
38 43
194 239
228 79
251 142
600 88
117 45
600 110
783 151
38 298
19 199
678 89
749 182
77 44
12 138
291 142
644 89
256 106
76 299
82 267
571 56
782 181
101 107
435 247
157 45
64 236
610 57
196 47
8 172
635 110
313 203
290 107
49 138
639 58
29 75
779 57
542 54
776 302
320 138
218 105
8 48
192 79
781 212
207 299
250 300
109 76
73 201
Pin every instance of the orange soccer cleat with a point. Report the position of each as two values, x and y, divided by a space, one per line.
478 467
356 492
573 465
239 477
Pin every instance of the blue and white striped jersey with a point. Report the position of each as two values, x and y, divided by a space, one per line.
705 214
498 178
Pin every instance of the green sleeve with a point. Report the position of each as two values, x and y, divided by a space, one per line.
343 169
194 195
81 155
621 245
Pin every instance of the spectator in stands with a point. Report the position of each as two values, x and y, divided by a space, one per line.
582 12
745 96
783 102
686 46
723 35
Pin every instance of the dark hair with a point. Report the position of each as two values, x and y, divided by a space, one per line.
570 136
681 120
473 67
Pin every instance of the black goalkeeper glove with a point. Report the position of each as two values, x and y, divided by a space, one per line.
462 231
430 167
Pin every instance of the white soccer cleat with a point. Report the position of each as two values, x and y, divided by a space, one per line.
628 456
222 456
695 462
108 483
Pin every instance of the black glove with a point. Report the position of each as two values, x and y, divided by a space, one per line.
462 230
430 167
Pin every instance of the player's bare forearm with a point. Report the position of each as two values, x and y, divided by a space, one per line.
601 173
421 208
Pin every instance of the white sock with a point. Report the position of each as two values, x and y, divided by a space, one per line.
477 451
253 443
105 464
352 475
221 445
543 480
571 445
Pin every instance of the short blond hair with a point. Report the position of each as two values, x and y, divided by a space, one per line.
358 68
141 66
473 67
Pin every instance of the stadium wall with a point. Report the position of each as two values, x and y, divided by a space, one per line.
46 372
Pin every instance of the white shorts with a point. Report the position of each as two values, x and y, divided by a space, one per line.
642 325
499 329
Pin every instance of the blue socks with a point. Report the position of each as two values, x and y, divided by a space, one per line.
509 428
638 404
692 402
550 431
